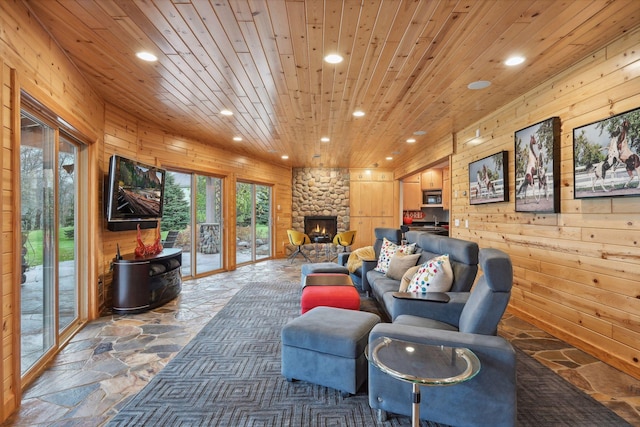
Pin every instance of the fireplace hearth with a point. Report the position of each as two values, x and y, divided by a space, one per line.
320 229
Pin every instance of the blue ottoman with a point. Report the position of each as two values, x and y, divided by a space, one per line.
322 267
326 345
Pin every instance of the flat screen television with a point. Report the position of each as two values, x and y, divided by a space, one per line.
136 191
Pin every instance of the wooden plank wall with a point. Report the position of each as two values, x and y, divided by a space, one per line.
127 136
32 61
7 266
577 272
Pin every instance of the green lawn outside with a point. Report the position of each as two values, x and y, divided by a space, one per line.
34 247
66 248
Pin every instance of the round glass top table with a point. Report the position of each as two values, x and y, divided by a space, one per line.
422 364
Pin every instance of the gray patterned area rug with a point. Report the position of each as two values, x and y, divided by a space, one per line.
229 375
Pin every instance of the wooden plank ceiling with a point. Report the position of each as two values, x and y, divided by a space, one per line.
406 64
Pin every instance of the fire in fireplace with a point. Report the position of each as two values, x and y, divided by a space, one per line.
321 229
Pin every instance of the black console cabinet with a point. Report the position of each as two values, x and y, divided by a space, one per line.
140 284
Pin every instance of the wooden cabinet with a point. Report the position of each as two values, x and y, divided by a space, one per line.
373 202
413 178
140 284
371 198
364 235
431 179
446 189
411 196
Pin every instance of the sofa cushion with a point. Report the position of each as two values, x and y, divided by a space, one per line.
387 250
400 263
434 275
406 279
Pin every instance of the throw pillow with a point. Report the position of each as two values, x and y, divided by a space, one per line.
387 250
434 275
408 275
400 263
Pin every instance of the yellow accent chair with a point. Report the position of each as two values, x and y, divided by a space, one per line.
344 239
299 239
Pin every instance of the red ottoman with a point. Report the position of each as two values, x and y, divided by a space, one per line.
338 296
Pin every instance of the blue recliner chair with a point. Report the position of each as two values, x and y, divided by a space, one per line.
487 399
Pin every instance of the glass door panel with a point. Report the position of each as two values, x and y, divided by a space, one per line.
176 216
37 302
67 247
263 222
253 222
244 222
209 220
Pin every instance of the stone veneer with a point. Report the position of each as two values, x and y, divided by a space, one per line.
320 191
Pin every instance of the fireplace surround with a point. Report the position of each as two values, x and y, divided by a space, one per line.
320 191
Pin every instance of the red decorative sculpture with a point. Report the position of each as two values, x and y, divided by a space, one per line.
143 250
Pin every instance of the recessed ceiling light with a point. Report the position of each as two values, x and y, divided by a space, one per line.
389 158
333 58
146 56
411 140
285 157
226 113
325 139
358 113
420 132
514 60
237 138
480 84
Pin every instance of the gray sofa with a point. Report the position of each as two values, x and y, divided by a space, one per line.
463 256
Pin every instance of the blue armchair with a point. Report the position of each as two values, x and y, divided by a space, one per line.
487 399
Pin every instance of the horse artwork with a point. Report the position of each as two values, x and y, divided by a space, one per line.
531 171
484 181
541 175
628 157
487 179
601 148
537 168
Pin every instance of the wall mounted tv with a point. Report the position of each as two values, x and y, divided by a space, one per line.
135 194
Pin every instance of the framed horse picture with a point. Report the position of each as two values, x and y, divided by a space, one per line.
605 157
488 179
537 164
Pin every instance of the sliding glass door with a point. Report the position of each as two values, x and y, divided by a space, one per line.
194 199
253 222
49 197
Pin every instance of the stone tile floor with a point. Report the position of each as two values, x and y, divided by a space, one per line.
114 357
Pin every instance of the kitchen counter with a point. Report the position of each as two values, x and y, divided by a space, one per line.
430 227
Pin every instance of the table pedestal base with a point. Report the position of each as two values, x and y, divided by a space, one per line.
415 409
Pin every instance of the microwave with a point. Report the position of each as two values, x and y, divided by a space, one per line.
432 197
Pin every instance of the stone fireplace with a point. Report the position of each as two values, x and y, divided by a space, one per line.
320 192
320 229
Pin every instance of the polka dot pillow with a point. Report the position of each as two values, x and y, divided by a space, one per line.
434 275
386 252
